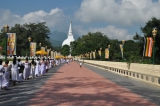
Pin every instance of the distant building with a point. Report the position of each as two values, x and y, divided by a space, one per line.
70 37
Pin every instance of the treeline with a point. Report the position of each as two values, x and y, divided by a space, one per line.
132 48
37 31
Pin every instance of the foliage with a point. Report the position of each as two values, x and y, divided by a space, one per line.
38 32
88 43
130 60
65 50
147 30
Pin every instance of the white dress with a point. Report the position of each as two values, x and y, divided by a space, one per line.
1 75
43 68
32 70
37 69
5 82
20 74
26 70
15 72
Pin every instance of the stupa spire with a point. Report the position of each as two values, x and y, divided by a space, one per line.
70 30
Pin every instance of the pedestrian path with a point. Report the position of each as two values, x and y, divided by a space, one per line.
75 86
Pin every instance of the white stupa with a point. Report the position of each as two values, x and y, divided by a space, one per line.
70 37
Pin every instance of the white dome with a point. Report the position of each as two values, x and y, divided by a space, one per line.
70 37
68 41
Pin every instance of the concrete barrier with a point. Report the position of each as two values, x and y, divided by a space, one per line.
144 72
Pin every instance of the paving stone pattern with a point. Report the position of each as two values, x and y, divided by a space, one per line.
19 94
75 86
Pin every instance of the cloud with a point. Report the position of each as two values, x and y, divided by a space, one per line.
55 18
118 12
111 31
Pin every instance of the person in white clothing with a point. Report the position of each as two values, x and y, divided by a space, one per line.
37 69
26 69
14 71
43 66
47 65
80 64
20 68
32 71
1 73
7 68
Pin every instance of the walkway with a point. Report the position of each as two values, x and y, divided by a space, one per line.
73 86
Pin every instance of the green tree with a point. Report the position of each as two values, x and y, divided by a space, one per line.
89 42
37 31
65 50
147 30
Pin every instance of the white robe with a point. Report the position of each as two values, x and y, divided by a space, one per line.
1 75
15 72
26 70
5 82
37 69
32 70
43 68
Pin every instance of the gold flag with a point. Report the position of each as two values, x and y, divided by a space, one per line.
107 53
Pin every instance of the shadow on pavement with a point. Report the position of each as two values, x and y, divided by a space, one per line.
19 94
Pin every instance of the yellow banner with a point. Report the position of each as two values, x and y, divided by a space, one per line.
121 47
106 53
91 55
11 43
32 48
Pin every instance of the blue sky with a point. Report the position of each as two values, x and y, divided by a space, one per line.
118 19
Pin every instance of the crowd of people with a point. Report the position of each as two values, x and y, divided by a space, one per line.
17 71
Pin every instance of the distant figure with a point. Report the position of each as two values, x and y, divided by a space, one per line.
80 64
37 70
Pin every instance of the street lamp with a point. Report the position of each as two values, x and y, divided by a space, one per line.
154 33
6 29
29 39
109 46
123 41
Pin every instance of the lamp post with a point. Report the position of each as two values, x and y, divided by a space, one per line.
154 33
29 39
6 28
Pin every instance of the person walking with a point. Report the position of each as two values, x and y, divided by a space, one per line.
1 73
37 67
26 69
14 71
43 66
47 65
32 71
80 64
20 68
6 74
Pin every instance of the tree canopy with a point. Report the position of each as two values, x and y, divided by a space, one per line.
37 31
65 50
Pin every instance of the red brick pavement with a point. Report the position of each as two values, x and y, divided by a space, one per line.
74 86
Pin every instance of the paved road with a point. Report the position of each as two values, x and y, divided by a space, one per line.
70 85
146 90
19 94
